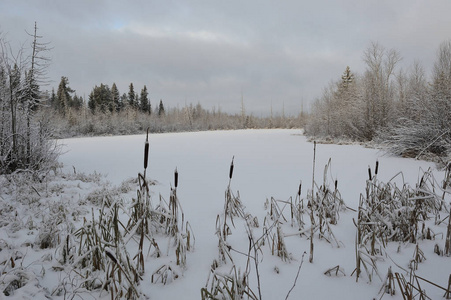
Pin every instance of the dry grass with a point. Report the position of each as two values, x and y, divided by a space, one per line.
388 213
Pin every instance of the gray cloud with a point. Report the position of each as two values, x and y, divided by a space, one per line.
277 53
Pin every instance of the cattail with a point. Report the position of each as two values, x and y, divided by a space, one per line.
176 178
377 167
369 173
231 169
336 183
146 150
299 189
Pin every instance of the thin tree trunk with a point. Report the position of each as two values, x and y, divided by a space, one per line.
2 130
13 119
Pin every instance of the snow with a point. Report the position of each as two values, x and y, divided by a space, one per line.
267 163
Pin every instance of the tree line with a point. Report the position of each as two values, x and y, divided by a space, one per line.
107 112
400 108
85 121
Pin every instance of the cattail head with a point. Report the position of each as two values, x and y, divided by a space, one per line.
336 183
377 167
231 169
369 173
146 150
176 178
299 189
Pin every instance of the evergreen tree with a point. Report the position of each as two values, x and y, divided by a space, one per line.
53 98
347 78
131 96
63 97
100 99
116 99
92 103
123 101
346 108
144 101
77 102
31 93
161 109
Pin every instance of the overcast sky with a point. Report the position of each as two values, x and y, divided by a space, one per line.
274 53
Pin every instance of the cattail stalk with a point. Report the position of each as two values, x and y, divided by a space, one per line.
312 220
448 236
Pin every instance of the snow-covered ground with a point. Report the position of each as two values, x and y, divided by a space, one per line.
267 163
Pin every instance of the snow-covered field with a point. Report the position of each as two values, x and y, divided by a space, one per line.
267 163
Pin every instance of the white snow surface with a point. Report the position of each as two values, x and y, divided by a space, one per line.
267 163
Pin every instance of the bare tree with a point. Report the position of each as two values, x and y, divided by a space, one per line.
440 105
378 86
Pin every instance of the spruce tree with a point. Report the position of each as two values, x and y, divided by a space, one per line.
123 101
116 105
77 102
92 104
131 96
347 78
63 97
53 99
161 109
144 100
100 98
